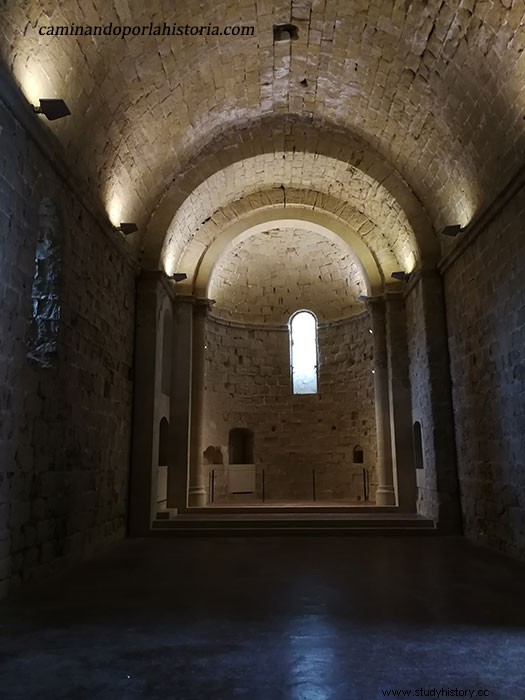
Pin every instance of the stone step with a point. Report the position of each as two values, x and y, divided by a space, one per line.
246 509
232 524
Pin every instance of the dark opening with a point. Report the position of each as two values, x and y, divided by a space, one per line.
285 32
359 455
213 455
240 446
163 442
418 446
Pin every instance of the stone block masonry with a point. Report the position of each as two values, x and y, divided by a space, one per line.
485 293
432 400
65 427
248 386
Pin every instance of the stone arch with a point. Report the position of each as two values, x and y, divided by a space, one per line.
301 201
259 221
294 136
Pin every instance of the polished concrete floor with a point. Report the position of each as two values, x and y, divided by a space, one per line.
298 618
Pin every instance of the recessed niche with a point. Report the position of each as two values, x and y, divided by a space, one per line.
213 455
164 429
285 32
418 446
240 446
358 456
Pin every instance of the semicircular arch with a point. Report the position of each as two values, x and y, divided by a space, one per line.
260 221
292 141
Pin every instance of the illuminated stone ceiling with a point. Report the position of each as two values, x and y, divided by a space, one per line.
392 118
268 276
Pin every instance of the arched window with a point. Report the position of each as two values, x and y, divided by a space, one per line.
303 352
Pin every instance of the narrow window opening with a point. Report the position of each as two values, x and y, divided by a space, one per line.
303 352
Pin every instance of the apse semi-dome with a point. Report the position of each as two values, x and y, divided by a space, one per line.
268 276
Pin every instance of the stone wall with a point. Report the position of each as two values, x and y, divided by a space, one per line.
248 386
428 499
64 414
485 292
268 276
430 381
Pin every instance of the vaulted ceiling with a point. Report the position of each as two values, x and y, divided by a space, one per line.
391 118
266 277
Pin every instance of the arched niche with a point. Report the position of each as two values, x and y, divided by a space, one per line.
358 456
164 428
418 446
240 446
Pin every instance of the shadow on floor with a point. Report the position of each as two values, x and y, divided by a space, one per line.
302 618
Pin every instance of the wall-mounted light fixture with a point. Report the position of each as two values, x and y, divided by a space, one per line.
178 276
400 276
451 230
127 229
52 109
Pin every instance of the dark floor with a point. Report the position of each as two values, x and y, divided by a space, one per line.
301 618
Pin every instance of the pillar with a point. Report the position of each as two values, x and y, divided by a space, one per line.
432 398
180 403
143 491
197 490
400 404
385 493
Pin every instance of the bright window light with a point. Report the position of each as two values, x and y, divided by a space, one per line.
303 352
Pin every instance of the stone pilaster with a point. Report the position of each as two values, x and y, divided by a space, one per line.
143 485
400 405
432 399
180 403
385 493
197 488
